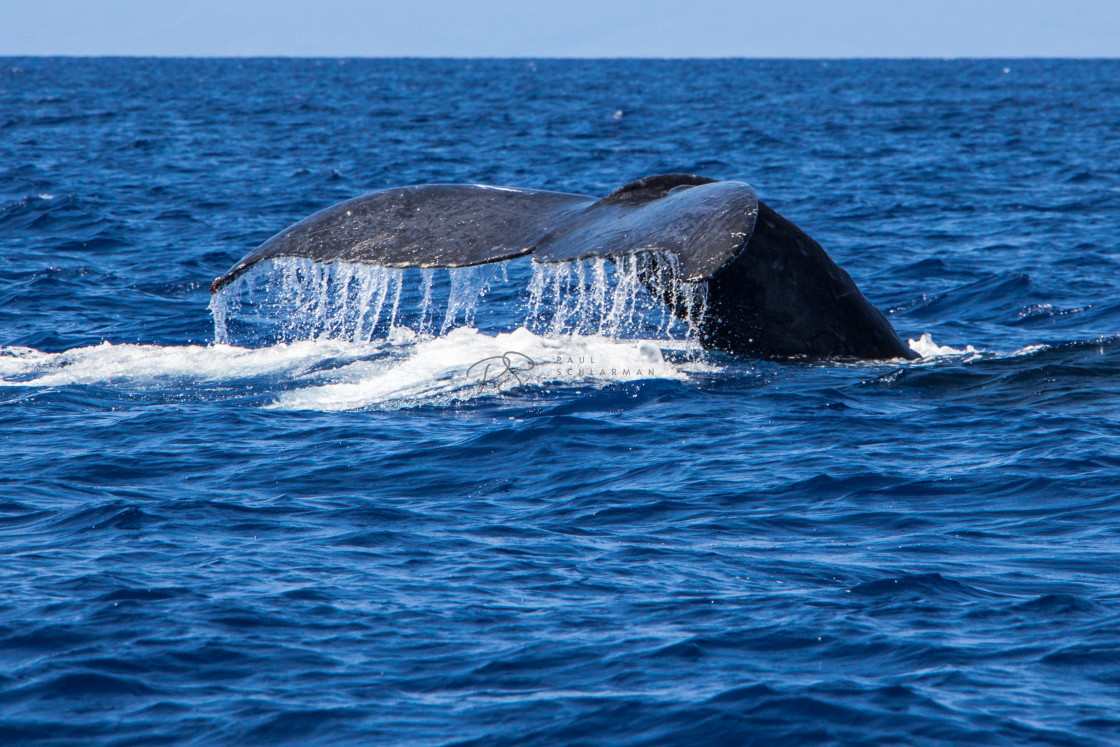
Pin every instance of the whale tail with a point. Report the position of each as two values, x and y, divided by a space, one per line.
771 290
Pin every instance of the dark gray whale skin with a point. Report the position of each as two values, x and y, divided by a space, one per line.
772 291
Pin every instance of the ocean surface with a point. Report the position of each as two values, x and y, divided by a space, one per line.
302 512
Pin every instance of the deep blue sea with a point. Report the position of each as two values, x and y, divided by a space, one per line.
308 524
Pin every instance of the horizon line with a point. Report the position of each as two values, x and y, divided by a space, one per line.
826 58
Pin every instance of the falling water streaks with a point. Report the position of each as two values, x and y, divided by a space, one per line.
290 299
614 299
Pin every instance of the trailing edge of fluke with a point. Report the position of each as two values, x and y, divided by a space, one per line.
772 291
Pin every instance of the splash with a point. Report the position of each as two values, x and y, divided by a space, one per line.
290 299
576 323
301 300
347 336
613 299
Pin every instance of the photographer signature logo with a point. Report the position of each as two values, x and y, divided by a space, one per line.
496 368
508 367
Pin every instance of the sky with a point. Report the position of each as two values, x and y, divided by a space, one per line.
562 28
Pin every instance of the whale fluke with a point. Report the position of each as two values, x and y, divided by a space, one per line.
772 291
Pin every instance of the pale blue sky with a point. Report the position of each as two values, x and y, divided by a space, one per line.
564 28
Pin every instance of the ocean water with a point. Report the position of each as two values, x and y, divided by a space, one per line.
520 506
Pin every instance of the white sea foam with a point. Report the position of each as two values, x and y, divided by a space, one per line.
466 363
1028 350
927 348
149 364
931 352
406 369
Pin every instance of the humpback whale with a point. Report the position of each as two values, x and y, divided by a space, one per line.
771 290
